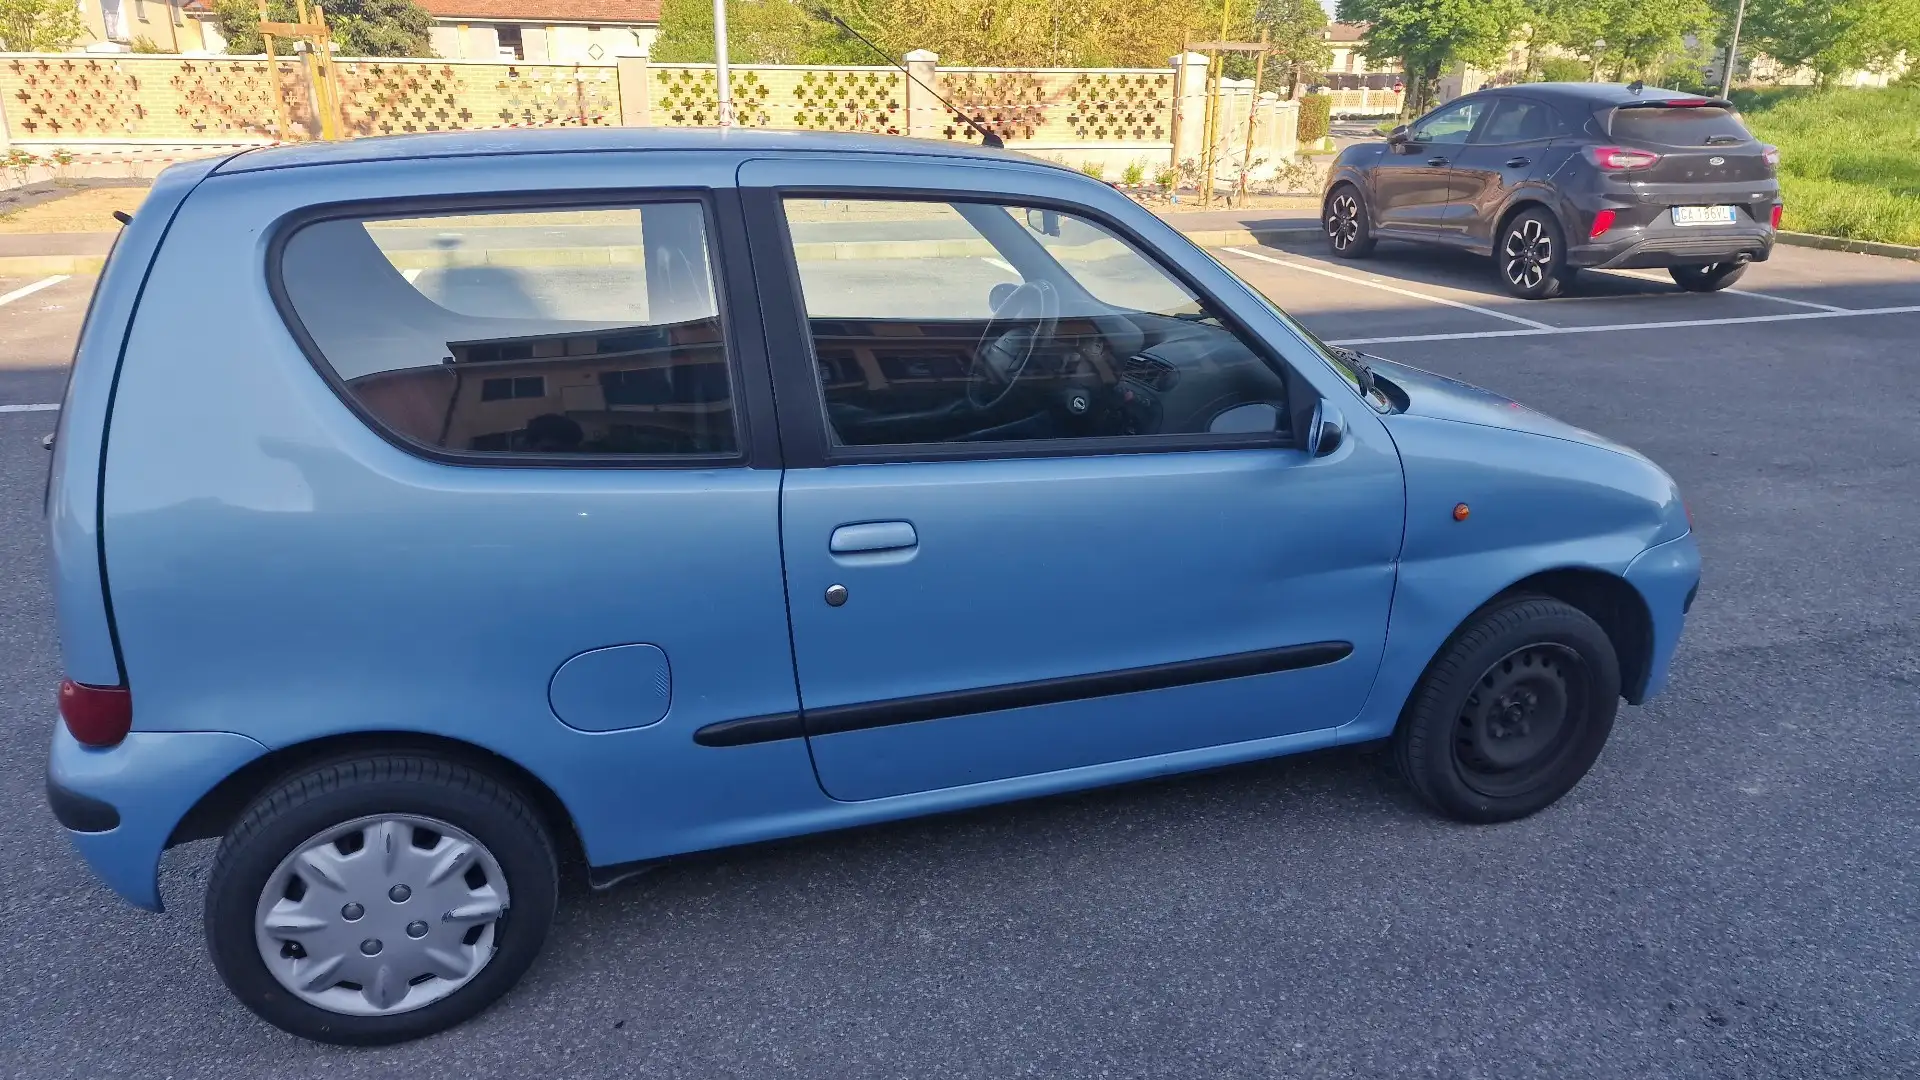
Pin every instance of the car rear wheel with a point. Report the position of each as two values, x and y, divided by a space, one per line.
1349 232
1709 278
380 899
1531 256
1512 713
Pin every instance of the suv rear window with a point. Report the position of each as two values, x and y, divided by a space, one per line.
564 332
1679 126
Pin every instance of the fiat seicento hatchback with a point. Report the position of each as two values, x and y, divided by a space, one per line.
430 513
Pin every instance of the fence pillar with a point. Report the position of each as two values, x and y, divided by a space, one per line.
1189 107
636 87
1282 139
925 115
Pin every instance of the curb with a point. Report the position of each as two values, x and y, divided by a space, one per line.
44 265
1243 237
1857 247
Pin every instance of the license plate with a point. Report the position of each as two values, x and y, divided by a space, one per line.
1704 215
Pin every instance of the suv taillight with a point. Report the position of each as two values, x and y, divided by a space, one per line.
98 716
1772 154
1620 159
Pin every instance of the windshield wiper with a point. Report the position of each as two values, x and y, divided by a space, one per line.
1356 363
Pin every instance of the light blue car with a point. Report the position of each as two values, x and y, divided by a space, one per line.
430 513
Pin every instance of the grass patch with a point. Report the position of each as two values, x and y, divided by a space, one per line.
1849 159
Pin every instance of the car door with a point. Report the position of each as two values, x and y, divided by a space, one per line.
1048 503
1506 150
1411 180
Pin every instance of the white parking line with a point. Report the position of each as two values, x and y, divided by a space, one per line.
1798 316
412 274
1292 265
29 290
30 408
1645 276
1000 264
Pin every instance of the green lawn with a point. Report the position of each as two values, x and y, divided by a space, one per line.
1849 159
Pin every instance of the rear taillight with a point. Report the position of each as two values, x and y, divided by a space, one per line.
1602 221
1772 154
1620 159
1777 211
96 715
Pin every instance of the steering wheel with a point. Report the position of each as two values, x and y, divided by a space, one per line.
1002 355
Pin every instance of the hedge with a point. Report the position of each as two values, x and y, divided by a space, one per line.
1316 113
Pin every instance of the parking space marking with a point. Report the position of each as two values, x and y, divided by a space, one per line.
1644 276
47 407
412 274
1798 316
29 290
999 264
1306 268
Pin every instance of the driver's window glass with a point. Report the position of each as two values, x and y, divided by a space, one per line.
1450 125
962 322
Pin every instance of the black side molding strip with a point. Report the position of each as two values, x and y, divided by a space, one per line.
910 710
751 729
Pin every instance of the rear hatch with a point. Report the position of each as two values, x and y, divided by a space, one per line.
1699 140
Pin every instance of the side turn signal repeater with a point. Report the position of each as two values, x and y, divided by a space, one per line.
1460 511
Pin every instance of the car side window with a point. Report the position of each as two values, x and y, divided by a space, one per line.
1452 124
1516 120
564 332
976 322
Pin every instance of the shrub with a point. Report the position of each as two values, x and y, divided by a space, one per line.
1565 69
1134 174
145 44
1164 178
1095 169
1316 117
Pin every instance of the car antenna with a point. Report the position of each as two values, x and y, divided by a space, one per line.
987 138
1636 86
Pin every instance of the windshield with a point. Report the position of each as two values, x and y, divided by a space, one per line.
1345 361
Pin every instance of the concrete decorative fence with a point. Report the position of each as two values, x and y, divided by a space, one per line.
1366 102
130 115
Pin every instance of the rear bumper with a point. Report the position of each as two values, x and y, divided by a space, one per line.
1667 576
1676 249
120 806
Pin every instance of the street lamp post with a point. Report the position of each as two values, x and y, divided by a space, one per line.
1733 50
725 118
1599 46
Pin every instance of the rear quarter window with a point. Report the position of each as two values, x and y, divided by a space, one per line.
1687 126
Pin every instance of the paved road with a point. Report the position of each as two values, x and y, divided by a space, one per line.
1730 893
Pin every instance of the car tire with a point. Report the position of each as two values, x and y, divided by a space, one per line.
1511 713
1349 230
467 852
1530 255
1709 278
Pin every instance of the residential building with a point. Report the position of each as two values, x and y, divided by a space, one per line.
550 31
116 25
1348 69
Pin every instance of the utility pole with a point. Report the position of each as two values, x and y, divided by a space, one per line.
1733 50
725 87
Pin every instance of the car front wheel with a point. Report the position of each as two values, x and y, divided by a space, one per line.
1709 278
1349 231
1512 713
380 899
1531 256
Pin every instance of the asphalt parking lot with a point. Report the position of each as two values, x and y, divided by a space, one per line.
1730 893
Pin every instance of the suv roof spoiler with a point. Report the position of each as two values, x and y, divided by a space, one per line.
1677 103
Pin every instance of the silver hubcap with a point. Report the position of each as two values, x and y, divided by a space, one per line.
1343 222
381 915
1528 251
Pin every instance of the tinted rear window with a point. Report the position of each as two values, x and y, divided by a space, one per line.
1683 126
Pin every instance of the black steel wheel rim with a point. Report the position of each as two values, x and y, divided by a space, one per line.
1521 719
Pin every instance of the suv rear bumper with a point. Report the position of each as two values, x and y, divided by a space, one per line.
1668 249
120 806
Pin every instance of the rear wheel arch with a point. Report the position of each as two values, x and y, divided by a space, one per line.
1514 209
221 808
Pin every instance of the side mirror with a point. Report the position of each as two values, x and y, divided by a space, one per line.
1044 222
1399 136
1327 431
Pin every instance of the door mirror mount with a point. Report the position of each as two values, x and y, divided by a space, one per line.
1044 222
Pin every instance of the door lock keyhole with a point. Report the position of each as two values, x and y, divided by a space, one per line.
836 595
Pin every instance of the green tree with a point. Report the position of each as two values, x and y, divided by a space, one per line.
1833 37
360 27
1429 36
39 25
1644 38
1297 32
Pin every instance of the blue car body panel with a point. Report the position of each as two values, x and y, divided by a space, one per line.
280 573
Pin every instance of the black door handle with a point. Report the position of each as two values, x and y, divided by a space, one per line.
1436 162
1518 162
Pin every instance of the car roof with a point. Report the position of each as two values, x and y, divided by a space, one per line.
1595 94
588 140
